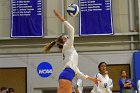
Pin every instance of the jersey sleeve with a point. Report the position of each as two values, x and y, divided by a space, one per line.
80 74
70 33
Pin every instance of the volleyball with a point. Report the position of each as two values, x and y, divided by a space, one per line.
73 10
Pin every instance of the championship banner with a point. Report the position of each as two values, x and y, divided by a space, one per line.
26 18
95 17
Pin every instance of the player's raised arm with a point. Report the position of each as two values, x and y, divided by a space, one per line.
68 25
59 16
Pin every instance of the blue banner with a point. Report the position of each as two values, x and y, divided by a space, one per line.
26 18
136 67
95 17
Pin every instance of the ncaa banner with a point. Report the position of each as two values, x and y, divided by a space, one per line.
26 18
95 17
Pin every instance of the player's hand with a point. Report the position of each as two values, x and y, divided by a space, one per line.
94 80
130 86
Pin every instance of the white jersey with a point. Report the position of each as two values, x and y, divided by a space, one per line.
138 86
69 52
104 86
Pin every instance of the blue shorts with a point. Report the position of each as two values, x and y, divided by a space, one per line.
67 74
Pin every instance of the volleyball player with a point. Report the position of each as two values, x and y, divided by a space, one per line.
70 57
105 85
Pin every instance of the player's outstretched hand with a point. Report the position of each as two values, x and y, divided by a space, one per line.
58 15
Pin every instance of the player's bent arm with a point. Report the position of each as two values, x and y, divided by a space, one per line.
93 79
80 74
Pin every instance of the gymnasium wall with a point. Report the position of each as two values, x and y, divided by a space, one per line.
88 63
122 39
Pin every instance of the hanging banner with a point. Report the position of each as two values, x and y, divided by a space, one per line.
26 18
95 17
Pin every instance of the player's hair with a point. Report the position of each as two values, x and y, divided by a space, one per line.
58 41
49 46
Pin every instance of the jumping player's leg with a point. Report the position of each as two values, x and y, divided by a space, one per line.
65 86
65 81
